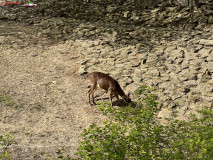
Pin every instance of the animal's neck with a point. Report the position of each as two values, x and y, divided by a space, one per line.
119 90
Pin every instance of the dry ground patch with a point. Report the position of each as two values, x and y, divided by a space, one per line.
45 106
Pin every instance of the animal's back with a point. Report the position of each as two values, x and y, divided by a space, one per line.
100 75
103 80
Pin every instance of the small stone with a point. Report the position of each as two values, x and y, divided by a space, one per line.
191 83
183 75
210 20
96 43
81 70
135 63
120 65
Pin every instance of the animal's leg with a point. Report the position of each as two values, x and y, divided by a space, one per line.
91 91
110 96
93 99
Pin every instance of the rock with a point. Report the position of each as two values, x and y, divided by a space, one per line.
211 81
154 72
165 85
81 70
204 88
171 67
210 20
185 64
93 62
141 56
206 42
181 112
165 78
204 77
126 81
102 60
135 63
190 56
137 78
127 71
94 55
191 83
132 87
183 75
126 14
120 65
164 113
111 9
195 62
178 61
137 71
185 90
174 77
204 52
170 49
207 97
152 58
177 54
111 61
210 57
176 95
194 69
96 43
207 66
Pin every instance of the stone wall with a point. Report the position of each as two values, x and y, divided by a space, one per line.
178 63
131 12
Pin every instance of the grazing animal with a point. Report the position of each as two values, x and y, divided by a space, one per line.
104 81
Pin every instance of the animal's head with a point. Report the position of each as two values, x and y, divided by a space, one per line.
127 98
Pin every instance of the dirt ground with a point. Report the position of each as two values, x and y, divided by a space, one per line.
48 106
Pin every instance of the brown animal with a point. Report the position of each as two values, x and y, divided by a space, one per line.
104 81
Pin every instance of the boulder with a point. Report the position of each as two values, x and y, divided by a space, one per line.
206 42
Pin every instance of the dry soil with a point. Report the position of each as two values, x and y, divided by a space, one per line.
47 108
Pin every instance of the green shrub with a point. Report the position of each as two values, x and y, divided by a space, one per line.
59 155
134 132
